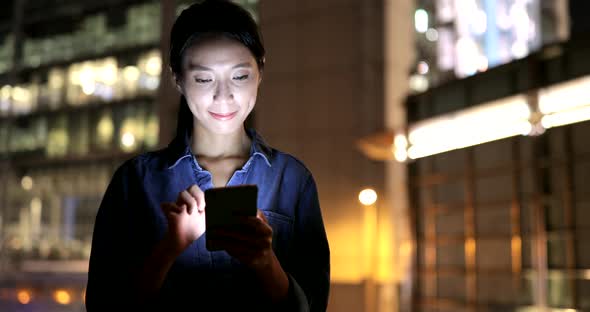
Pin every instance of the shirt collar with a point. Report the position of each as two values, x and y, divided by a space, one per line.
179 148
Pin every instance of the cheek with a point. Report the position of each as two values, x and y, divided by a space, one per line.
198 98
249 94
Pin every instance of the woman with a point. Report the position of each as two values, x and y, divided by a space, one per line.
148 248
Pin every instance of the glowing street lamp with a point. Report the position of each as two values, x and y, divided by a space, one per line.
23 296
368 198
62 297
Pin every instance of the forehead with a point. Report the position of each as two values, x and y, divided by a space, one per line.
217 51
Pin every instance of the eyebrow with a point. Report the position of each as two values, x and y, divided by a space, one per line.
193 67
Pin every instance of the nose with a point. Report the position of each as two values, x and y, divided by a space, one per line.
223 92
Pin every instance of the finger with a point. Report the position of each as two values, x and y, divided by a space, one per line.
170 208
254 225
260 215
235 250
239 243
198 195
250 240
185 198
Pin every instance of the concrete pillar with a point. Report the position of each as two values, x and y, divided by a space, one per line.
322 91
399 56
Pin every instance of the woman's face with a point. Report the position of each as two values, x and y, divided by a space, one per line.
220 79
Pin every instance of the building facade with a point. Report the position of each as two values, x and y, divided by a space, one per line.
84 86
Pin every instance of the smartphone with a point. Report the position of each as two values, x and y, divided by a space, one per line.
225 206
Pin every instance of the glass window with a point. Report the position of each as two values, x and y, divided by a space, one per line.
582 248
559 291
494 188
104 130
493 220
451 255
452 192
152 130
504 289
57 137
427 286
494 254
78 125
451 286
6 52
451 223
456 38
583 288
556 251
451 162
493 155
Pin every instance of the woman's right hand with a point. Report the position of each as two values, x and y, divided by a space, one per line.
186 218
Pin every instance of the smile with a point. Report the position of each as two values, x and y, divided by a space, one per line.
223 117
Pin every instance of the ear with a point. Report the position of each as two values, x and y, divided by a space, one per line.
177 83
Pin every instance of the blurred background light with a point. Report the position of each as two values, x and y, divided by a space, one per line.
128 140
487 122
367 197
27 183
62 297
421 20
23 296
432 34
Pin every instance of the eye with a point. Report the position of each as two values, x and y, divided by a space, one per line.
199 80
241 77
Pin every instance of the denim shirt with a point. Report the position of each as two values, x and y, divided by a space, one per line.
130 222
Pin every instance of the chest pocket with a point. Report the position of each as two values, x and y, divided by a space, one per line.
282 234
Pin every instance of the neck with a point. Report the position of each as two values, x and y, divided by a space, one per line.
204 143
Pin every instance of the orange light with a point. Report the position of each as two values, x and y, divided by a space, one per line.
368 197
23 296
62 297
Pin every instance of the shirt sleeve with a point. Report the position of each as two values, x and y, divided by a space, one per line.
112 254
309 277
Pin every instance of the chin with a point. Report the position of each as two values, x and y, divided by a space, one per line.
227 128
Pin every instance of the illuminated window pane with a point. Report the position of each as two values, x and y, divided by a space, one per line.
493 254
131 129
583 249
504 289
559 291
152 131
450 223
104 129
583 288
468 37
427 286
451 286
489 189
57 138
556 252
78 133
450 255
449 193
492 220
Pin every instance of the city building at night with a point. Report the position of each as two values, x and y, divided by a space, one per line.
495 154
447 139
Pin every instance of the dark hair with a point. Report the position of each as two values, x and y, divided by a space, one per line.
214 18
204 20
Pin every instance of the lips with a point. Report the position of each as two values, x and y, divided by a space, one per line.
223 117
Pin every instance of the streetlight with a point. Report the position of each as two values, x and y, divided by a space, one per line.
368 198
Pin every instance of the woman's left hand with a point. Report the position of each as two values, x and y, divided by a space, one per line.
249 241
